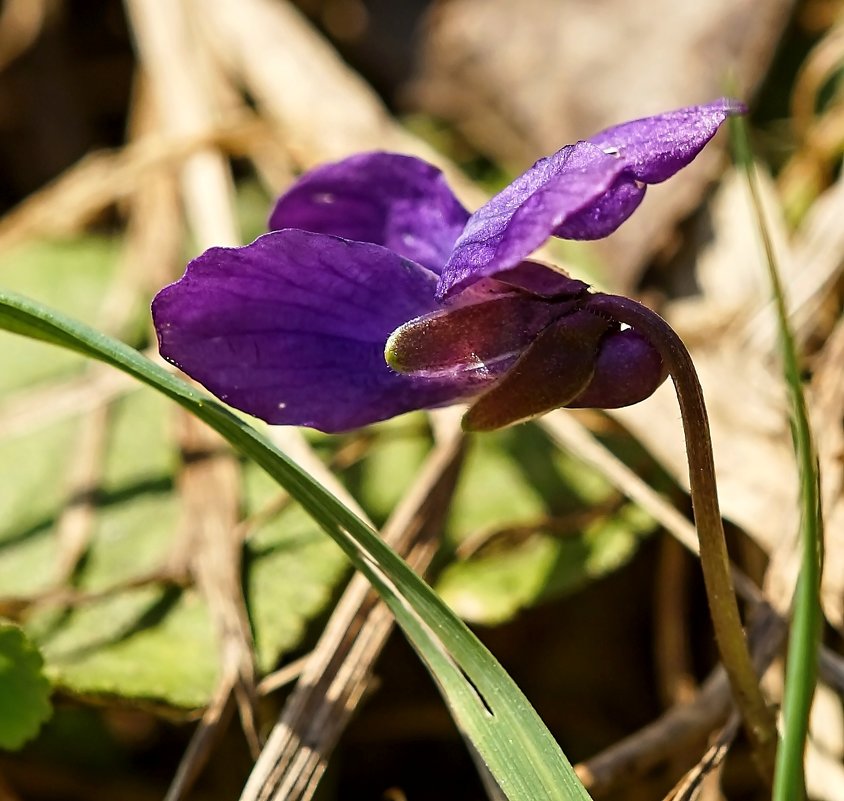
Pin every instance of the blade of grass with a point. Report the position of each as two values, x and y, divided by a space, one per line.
802 661
506 731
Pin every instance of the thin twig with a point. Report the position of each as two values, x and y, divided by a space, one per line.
21 23
100 179
681 726
214 720
284 675
686 789
287 66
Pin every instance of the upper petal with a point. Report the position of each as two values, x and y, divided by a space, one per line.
654 148
584 191
400 202
514 223
292 329
601 217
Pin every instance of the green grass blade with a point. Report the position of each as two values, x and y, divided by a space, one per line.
489 708
807 616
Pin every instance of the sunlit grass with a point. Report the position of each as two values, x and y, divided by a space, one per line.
801 667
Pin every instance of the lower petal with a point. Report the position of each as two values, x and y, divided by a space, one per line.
291 329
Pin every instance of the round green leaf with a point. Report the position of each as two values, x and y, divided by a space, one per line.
24 690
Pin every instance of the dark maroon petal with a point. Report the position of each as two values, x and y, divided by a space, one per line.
292 329
507 229
628 370
540 279
654 148
555 369
387 199
489 335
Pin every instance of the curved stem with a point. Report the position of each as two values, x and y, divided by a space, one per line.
732 645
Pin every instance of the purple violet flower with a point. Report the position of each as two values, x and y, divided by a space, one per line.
376 251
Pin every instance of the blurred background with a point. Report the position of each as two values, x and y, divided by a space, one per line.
175 594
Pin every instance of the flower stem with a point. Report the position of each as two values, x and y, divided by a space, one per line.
732 645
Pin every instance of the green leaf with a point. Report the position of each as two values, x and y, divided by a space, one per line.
24 690
72 274
151 644
291 570
137 510
514 485
29 499
494 490
127 644
69 274
488 707
156 644
392 463
135 516
494 587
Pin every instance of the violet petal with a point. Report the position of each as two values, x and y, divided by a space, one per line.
584 191
654 148
387 199
292 329
606 213
628 370
508 228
